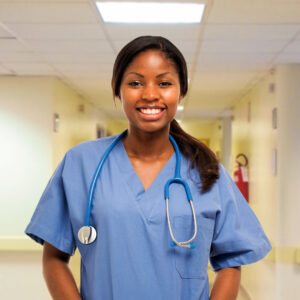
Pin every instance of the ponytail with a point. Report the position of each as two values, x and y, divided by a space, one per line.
200 156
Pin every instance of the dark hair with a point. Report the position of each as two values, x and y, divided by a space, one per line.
200 155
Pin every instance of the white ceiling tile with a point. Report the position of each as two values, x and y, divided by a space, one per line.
233 60
30 68
11 45
293 47
86 73
46 12
19 56
288 58
237 11
4 71
187 45
131 31
4 33
92 84
227 81
91 67
56 46
79 57
57 31
250 31
247 46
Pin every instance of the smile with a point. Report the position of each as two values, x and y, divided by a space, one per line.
151 111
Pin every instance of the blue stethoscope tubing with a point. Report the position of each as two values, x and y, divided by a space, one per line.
96 175
178 179
87 234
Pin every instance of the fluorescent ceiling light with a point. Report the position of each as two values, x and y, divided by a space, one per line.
150 12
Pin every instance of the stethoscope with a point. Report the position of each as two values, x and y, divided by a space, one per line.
87 234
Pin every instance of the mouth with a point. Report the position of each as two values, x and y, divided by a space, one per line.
151 113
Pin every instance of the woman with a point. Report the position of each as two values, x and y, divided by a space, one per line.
131 257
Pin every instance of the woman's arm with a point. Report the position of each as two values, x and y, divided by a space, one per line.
59 279
226 284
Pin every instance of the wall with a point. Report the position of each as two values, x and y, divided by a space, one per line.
252 134
78 120
25 131
288 241
29 152
209 130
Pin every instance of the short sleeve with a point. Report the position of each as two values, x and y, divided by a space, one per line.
51 221
239 238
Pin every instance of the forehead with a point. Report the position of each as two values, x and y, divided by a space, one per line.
151 60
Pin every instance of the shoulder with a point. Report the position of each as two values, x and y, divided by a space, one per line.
90 148
86 155
225 181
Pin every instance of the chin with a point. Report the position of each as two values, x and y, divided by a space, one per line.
153 128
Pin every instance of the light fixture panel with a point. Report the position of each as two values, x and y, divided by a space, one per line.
150 12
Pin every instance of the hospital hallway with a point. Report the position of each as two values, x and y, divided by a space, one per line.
243 60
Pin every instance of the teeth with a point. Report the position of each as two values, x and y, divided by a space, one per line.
151 111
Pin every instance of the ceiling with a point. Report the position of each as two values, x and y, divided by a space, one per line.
238 42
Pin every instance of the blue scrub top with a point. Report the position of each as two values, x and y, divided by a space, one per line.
131 257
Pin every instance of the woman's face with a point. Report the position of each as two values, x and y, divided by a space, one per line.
150 91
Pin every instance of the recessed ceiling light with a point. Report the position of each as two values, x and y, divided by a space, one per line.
180 108
150 12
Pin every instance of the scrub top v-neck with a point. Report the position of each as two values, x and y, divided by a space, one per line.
131 257
146 199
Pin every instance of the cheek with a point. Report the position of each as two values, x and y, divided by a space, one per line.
128 95
127 98
173 96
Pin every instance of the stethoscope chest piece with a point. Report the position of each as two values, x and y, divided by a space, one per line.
87 234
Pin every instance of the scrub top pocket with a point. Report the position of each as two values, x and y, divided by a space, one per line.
192 263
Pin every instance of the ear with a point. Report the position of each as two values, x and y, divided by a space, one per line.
180 98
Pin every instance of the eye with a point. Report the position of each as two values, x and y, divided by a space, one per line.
134 83
165 83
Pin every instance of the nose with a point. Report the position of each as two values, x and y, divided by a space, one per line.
150 92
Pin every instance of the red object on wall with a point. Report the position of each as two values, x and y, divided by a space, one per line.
241 176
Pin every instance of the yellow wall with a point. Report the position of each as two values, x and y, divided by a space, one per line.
206 130
252 134
25 130
116 126
78 119
30 146
29 152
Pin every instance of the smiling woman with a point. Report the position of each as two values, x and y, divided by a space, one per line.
135 253
150 91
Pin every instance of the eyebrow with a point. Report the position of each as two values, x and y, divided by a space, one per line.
140 75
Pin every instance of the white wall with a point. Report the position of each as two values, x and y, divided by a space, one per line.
21 276
25 131
288 99
252 134
29 152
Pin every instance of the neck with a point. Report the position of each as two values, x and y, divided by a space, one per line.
148 144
